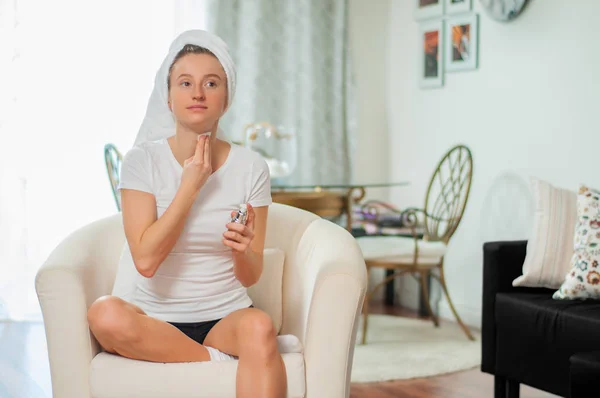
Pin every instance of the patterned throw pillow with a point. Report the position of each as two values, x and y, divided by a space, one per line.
583 280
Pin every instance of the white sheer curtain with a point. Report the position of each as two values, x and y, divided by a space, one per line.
74 75
294 69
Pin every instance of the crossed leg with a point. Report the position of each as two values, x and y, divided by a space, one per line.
123 328
249 334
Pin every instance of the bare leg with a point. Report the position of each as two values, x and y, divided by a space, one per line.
250 335
123 328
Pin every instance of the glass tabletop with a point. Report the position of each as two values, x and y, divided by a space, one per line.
282 185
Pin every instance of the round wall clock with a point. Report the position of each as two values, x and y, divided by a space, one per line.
503 10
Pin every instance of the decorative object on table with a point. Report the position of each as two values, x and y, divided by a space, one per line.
503 10
377 217
431 65
113 160
276 144
378 212
461 44
426 9
403 348
583 279
445 204
335 200
457 6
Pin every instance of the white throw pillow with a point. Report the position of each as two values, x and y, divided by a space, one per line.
582 281
550 246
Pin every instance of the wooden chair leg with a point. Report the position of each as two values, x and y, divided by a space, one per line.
425 294
458 319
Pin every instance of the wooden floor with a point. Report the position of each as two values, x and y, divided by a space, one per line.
24 371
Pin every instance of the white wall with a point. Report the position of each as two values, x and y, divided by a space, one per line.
530 109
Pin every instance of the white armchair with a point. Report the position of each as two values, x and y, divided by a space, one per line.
323 288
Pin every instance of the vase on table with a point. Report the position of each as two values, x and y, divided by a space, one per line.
276 144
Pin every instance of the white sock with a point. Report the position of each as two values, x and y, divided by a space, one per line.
287 343
216 355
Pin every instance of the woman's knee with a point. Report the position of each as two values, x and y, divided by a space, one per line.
256 332
109 317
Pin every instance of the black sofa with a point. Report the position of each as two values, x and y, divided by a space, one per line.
530 338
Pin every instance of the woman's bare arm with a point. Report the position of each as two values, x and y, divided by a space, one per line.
150 239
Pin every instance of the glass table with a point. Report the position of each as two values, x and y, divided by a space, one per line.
329 200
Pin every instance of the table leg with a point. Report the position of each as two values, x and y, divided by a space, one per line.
390 291
389 288
422 305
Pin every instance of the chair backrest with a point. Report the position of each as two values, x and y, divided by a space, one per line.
113 159
448 193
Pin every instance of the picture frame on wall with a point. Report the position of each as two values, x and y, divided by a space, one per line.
458 6
431 65
426 9
461 49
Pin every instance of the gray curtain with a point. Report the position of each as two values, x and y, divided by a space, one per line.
293 70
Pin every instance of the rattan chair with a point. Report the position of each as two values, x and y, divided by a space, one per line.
431 229
113 159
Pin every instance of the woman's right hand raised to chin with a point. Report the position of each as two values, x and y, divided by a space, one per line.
197 168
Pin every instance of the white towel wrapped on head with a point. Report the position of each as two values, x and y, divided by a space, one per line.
158 122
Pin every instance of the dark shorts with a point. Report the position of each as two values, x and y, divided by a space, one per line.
197 331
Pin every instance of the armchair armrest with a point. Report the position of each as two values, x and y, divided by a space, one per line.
79 270
335 274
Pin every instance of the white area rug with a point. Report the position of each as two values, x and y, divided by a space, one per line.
404 348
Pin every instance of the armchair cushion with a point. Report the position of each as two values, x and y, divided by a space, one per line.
400 249
113 376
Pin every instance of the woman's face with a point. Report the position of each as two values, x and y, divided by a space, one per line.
198 93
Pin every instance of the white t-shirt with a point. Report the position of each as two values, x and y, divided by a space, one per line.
195 283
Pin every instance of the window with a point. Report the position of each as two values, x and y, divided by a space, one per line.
74 75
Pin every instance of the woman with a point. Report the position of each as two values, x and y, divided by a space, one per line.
179 187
